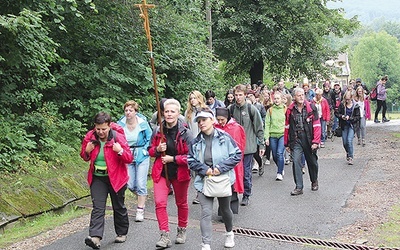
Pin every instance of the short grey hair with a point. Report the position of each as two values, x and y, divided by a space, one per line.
297 90
173 102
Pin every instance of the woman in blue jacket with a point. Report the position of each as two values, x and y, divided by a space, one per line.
213 152
138 133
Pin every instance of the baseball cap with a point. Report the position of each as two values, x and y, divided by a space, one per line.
358 80
203 114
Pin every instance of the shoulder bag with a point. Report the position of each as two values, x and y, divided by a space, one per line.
217 185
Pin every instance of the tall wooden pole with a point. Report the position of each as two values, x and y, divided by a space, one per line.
146 23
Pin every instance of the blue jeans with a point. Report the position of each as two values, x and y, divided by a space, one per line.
323 130
138 177
278 150
247 175
335 123
347 139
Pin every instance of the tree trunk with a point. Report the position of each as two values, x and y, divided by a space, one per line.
208 20
256 71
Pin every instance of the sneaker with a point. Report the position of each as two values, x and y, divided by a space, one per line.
267 162
120 239
359 142
164 241
181 235
314 186
205 246
385 120
229 240
322 145
196 201
303 169
279 177
376 121
245 201
139 215
93 242
350 161
363 142
287 161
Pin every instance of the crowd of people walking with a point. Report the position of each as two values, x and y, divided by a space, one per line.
216 145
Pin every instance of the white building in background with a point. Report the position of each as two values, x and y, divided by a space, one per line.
340 69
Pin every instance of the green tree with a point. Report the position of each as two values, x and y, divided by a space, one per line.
285 37
376 55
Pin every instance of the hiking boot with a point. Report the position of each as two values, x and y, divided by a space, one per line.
385 120
120 239
93 242
139 215
376 121
297 191
181 235
245 201
164 241
229 240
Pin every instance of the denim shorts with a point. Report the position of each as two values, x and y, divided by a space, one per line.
138 177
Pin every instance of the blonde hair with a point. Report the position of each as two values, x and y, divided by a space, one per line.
357 97
189 109
133 104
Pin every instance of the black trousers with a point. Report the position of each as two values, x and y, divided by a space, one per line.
99 191
380 104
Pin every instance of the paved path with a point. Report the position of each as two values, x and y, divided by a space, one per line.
272 212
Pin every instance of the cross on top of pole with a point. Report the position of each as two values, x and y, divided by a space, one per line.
144 14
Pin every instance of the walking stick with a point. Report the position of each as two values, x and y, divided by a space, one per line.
146 23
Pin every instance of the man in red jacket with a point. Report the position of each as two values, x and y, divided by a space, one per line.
108 152
302 136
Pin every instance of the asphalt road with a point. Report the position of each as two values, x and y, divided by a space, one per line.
273 220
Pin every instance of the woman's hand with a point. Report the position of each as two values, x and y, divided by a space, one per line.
167 159
162 147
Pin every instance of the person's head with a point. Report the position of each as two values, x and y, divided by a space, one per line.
298 96
350 86
360 93
240 93
281 84
130 109
222 115
162 105
352 82
327 86
229 97
306 86
348 96
205 120
278 98
172 109
251 96
358 81
102 125
196 99
336 87
384 79
288 99
210 97
327 83
318 94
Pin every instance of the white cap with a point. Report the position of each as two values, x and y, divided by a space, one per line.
203 114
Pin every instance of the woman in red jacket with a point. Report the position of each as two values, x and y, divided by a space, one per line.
170 168
234 129
108 152
324 113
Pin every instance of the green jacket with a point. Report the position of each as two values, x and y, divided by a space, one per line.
252 124
275 121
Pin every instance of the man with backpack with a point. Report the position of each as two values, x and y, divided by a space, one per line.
248 116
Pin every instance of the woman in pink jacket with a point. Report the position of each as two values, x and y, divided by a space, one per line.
324 113
108 152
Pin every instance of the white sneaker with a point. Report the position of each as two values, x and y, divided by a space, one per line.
255 166
205 246
139 215
229 240
279 177
267 162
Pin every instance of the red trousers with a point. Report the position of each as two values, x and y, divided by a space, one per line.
161 190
